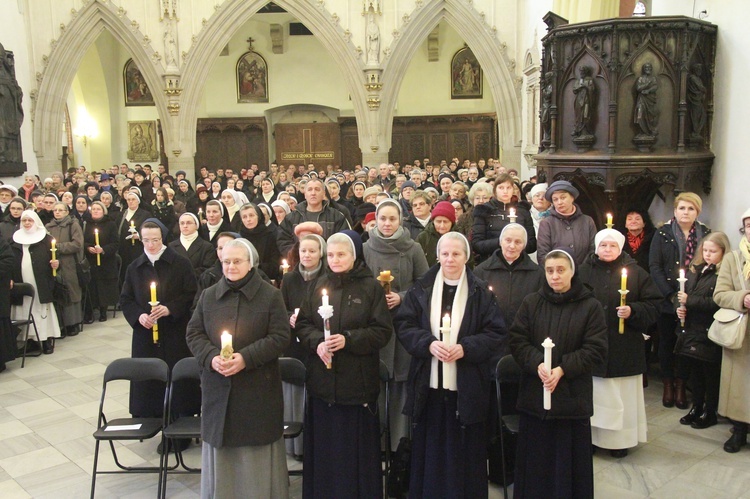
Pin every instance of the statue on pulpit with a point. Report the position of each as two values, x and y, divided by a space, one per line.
544 116
584 90
696 96
646 114
11 111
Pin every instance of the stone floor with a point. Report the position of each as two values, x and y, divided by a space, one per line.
48 413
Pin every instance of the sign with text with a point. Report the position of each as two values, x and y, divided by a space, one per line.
317 143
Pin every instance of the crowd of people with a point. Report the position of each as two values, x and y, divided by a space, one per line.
435 270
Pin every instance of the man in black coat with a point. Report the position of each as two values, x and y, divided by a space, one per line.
175 289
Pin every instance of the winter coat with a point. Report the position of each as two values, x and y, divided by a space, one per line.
69 241
263 238
575 234
108 242
490 219
246 408
41 254
8 227
175 289
128 250
202 254
665 261
575 322
7 265
641 255
734 392
482 335
412 225
692 340
428 240
361 315
604 278
404 258
294 289
330 219
165 213
205 234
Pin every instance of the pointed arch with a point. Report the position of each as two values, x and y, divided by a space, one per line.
63 65
232 15
488 51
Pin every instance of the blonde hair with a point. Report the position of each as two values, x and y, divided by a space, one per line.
718 238
689 197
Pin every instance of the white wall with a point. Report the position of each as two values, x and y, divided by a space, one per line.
729 197
13 36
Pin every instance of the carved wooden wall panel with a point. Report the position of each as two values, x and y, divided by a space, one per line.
317 143
231 143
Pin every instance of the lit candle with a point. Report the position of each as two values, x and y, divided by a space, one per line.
623 293
512 215
132 233
609 220
447 321
200 214
54 255
682 280
96 240
385 275
624 280
325 298
153 292
226 340
548 346
284 266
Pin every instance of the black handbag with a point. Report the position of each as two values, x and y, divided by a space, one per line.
83 269
60 291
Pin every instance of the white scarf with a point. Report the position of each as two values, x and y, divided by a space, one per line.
186 241
423 222
129 214
232 211
154 258
212 230
457 317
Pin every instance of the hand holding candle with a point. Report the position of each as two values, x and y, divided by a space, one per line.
623 291
153 303
226 345
682 280
548 346
54 255
96 241
326 312
132 232
512 215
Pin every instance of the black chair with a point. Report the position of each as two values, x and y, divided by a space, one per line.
146 369
293 372
179 427
507 375
23 289
385 422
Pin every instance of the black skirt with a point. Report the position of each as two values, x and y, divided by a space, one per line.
553 458
341 451
448 459
8 346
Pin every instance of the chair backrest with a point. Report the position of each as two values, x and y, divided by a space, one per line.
508 370
23 289
141 369
187 368
292 371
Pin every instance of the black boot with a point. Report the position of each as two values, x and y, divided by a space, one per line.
691 416
706 419
73 330
48 346
738 438
102 314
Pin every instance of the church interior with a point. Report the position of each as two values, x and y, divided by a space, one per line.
231 83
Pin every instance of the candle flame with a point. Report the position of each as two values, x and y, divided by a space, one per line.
284 263
153 284
325 293
624 272
54 241
96 231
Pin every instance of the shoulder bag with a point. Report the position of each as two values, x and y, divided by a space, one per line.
729 326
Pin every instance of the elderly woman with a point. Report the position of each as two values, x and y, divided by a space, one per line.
733 292
491 217
448 386
557 440
442 220
103 291
175 290
342 428
201 253
566 226
697 308
390 248
416 221
263 238
129 243
672 249
242 406
69 237
619 421
32 248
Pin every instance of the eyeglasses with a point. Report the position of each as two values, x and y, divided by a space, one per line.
236 263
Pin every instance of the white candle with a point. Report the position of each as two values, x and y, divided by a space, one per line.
325 298
447 321
682 280
512 215
548 346
226 339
